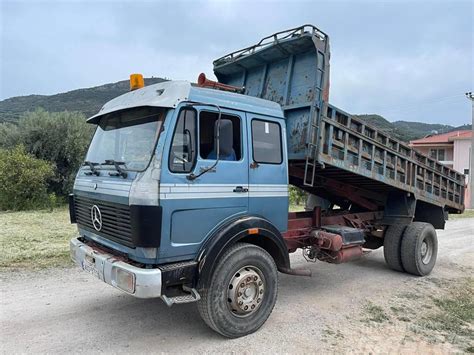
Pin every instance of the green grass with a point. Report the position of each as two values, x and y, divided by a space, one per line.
35 239
375 313
296 208
455 311
453 317
466 214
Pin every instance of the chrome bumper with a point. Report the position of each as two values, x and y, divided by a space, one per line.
138 282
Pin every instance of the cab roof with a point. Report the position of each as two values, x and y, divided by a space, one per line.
171 93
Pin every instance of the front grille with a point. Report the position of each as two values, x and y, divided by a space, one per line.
116 224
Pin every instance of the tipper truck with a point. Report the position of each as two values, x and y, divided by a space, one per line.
183 194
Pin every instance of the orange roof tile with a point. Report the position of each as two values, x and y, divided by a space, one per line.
443 138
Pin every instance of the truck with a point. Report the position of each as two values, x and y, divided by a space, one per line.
183 194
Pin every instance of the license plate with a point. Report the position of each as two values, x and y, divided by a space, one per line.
89 265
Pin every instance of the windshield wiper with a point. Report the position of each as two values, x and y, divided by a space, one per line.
92 165
116 164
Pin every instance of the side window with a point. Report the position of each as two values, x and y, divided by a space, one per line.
231 147
183 147
266 142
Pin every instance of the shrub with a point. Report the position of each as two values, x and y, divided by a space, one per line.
297 196
9 135
23 180
59 137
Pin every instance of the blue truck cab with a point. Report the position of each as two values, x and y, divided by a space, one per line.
183 194
155 204
172 196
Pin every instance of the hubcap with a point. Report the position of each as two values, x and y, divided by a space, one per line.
246 291
426 250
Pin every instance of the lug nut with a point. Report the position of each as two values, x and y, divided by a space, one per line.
253 306
261 291
242 285
258 300
240 294
260 283
248 279
246 307
241 303
255 278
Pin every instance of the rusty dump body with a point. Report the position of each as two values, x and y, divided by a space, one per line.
331 153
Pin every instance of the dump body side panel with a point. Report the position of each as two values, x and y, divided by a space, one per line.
326 144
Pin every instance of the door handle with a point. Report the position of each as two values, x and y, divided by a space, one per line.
241 189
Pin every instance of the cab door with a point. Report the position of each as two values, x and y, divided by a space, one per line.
268 173
195 203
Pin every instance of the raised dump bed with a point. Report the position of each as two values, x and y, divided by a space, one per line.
333 154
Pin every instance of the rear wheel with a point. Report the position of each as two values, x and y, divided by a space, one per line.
419 248
242 291
392 246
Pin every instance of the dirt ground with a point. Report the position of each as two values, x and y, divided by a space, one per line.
359 307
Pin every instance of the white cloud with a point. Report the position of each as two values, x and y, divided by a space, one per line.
387 57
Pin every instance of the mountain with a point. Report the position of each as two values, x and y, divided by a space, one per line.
406 130
90 100
87 101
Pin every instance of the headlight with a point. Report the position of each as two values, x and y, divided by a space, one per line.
123 280
144 189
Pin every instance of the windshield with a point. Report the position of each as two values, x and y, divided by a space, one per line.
127 137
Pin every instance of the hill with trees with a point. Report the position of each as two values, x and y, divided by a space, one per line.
88 101
406 130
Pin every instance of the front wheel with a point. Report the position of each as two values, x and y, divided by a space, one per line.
242 291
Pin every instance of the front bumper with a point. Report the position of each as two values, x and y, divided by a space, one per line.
138 282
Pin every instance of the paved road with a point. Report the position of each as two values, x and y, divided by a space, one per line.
65 310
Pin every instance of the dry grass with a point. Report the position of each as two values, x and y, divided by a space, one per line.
374 313
466 214
454 316
35 239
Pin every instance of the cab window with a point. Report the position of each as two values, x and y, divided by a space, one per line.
266 142
207 136
183 147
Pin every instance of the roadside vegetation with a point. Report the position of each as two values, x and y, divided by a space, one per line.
297 199
35 239
440 312
466 214
39 156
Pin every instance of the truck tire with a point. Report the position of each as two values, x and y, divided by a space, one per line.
419 248
392 245
242 291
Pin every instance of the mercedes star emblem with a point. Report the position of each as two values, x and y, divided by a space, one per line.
96 218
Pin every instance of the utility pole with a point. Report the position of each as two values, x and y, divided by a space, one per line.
470 96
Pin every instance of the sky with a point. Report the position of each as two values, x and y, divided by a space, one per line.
405 60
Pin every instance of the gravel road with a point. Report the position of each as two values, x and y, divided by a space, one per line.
66 310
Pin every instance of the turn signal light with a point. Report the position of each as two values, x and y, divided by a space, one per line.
136 81
124 280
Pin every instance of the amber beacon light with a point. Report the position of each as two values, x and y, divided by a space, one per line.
136 81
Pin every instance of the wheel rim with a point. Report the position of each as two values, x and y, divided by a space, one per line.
426 250
246 291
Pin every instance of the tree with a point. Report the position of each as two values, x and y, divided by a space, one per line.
297 196
23 180
60 138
